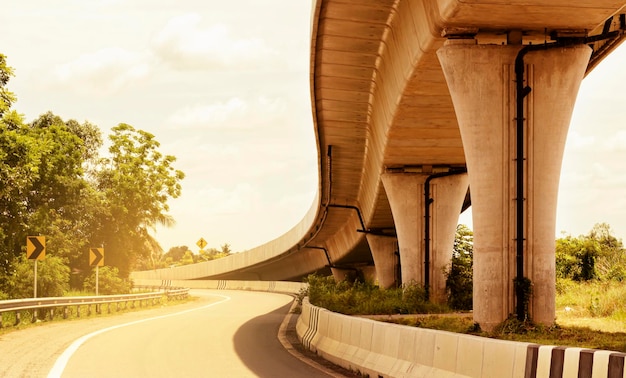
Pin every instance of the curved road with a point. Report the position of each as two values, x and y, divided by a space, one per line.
222 334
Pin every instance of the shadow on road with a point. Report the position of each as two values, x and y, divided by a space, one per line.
258 347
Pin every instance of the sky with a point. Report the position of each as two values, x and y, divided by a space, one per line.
224 87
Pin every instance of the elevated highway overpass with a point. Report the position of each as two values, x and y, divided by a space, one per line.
415 100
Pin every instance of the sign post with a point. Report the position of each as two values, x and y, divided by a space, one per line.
35 250
96 258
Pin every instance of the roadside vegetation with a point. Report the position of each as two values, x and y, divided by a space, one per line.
590 301
55 182
34 318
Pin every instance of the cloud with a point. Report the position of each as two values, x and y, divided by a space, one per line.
577 142
103 72
234 114
221 201
212 114
184 43
615 143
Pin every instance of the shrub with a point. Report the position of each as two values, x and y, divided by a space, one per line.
53 277
109 282
365 298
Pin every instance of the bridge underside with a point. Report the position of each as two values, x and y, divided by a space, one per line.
392 127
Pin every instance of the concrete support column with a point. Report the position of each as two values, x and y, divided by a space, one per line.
482 83
448 194
406 197
383 252
405 192
340 274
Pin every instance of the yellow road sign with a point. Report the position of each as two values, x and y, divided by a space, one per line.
35 247
201 243
96 256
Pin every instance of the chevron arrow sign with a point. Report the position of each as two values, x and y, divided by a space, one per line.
35 247
96 256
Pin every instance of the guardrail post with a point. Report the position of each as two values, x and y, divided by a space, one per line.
65 312
88 310
109 308
33 318
18 316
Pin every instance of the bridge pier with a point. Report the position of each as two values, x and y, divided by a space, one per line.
482 83
383 252
406 194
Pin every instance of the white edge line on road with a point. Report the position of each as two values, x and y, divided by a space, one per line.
61 362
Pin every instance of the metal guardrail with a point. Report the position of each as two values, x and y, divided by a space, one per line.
17 305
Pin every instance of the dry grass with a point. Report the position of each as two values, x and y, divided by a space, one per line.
589 315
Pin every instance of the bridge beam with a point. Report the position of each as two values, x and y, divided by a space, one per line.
482 83
405 192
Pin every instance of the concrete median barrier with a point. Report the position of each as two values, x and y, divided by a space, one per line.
379 349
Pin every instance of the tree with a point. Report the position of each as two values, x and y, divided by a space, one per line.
53 183
226 249
136 182
459 276
176 253
597 255
43 191
53 276
6 98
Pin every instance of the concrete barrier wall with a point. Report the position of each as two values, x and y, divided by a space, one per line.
381 349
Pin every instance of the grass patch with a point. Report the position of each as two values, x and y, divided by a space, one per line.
589 314
514 330
364 298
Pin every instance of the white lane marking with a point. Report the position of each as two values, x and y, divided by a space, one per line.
61 362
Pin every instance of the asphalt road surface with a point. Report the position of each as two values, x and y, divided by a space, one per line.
222 334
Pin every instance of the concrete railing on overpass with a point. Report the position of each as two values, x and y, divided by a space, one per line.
379 349
270 252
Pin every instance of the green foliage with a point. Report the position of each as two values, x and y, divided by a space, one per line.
109 282
182 255
54 183
53 277
6 98
43 189
459 276
365 298
136 182
597 255
176 253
